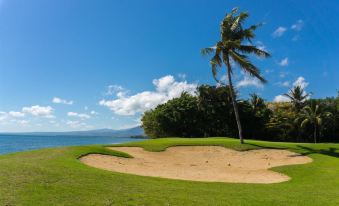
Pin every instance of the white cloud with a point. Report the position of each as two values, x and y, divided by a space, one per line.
54 123
58 100
166 88
40 111
94 112
77 124
284 84
284 62
117 90
281 98
298 25
301 82
11 117
224 78
249 81
279 31
16 114
22 122
81 116
3 116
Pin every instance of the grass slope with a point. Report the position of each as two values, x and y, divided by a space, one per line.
56 177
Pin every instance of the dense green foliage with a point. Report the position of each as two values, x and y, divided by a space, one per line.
210 113
178 117
56 177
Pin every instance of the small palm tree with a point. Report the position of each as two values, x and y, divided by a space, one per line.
313 115
229 48
298 96
257 103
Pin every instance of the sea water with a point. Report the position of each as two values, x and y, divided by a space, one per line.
16 143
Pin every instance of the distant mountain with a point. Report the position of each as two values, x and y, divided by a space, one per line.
134 131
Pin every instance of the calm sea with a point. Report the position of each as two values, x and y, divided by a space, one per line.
16 143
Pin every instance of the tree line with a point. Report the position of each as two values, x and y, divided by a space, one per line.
210 113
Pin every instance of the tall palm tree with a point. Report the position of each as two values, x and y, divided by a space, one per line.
298 96
230 47
313 115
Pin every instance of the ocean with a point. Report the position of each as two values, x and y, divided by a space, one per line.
17 143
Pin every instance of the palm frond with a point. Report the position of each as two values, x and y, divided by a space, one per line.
231 44
316 109
255 26
248 33
214 71
304 123
207 51
216 63
298 119
228 19
289 96
253 50
235 23
246 65
328 114
307 111
242 17
238 20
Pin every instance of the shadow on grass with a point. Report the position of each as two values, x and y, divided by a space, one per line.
333 152
266 147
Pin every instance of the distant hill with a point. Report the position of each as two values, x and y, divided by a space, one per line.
134 131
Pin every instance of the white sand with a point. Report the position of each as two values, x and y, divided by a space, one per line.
201 163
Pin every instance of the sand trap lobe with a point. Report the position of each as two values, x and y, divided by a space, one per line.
200 163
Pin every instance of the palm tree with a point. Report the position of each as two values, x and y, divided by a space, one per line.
230 48
257 103
313 115
298 96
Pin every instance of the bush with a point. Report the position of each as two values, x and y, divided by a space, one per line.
178 117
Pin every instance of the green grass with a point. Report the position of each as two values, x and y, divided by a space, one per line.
56 177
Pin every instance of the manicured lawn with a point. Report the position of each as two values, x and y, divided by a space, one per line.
57 177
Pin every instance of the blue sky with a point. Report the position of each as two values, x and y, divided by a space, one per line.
83 64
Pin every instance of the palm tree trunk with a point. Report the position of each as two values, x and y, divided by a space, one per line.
235 106
315 134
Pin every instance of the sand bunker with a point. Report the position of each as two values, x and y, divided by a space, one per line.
200 163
